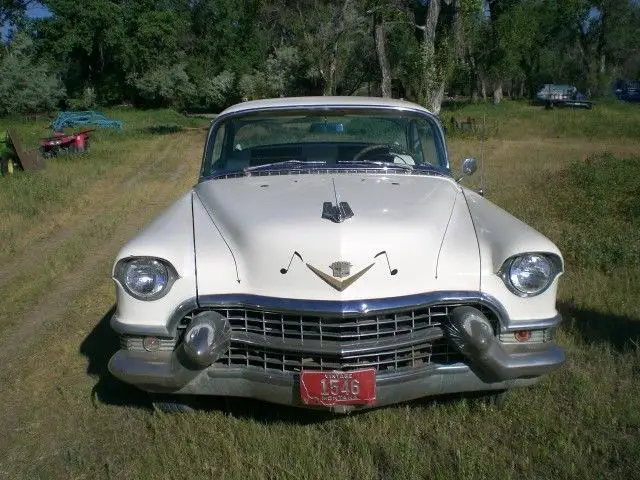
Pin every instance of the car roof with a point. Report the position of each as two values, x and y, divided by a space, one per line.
291 102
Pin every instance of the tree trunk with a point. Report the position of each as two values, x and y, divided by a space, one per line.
383 60
497 93
473 83
338 29
434 105
483 88
432 80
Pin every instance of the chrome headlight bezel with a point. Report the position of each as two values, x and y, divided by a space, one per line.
120 274
555 264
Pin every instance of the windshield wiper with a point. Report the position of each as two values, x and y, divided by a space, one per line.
289 163
403 166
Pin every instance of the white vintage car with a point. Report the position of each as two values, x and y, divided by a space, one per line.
329 257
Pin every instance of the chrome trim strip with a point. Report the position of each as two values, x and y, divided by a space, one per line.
514 326
318 170
350 308
341 349
347 308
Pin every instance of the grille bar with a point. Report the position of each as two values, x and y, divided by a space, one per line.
395 359
343 349
327 328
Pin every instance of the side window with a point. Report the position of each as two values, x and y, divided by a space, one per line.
429 147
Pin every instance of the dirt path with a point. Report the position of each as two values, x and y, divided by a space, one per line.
112 192
54 303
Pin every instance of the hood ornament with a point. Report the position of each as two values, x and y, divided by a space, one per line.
339 212
336 213
341 269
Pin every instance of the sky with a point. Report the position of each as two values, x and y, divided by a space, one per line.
38 11
34 11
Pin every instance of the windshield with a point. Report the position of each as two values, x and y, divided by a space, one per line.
324 138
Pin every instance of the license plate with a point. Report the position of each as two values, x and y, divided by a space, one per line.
338 388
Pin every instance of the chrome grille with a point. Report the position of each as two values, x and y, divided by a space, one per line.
275 327
384 362
305 326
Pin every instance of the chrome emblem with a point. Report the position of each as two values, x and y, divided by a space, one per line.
340 269
339 285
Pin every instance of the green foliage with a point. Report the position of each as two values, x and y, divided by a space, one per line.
599 199
210 54
276 79
164 86
26 85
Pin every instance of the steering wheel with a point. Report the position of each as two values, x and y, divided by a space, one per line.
369 149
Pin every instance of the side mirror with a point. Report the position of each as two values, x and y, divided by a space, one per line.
469 167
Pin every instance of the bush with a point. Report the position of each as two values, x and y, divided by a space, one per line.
276 79
164 86
27 86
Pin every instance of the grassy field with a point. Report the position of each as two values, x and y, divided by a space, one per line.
571 174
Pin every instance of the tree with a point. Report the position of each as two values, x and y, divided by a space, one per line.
440 23
12 10
26 85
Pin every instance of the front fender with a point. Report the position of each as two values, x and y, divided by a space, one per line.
501 236
170 237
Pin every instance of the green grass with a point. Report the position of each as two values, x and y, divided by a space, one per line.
65 417
517 120
136 124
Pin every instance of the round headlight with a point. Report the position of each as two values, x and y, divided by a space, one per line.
531 274
146 278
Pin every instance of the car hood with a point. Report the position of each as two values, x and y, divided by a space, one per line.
265 235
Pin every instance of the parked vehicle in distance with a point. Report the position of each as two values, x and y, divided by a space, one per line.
628 91
552 95
328 257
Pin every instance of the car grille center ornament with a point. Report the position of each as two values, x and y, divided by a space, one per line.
341 270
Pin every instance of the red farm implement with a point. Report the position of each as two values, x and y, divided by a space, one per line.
65 143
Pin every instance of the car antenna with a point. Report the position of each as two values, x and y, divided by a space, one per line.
484 131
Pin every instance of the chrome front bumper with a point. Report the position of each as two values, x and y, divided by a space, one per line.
480 361
165 372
